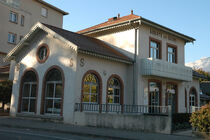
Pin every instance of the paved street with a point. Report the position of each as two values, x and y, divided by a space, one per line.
27 134
32 129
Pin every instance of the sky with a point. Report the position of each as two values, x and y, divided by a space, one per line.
190 17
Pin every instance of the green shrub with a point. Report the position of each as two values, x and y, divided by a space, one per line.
5 91
201 119
181 121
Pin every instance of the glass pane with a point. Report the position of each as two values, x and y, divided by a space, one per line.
90 78
86 88
117 91
50 90
86 98
57 106
170 49
110 99
151 53
24 107
155 53
153 44
54 75
94 89
116 99
33 90
42 53
32 105
26 90
30 77
110 91
48 106
93 98
58 90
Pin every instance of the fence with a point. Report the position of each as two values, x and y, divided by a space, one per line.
125 109
194 109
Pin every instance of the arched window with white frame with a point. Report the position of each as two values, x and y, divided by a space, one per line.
53 97
114 91
28 96
90 89
193 97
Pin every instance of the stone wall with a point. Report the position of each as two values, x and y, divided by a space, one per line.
150 123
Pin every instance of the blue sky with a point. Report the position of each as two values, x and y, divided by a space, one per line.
190 17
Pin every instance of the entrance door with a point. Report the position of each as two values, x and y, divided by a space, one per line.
171 98
154 97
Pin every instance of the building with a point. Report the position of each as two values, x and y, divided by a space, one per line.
205 90
18 16
125 73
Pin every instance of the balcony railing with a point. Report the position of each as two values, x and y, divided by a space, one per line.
194 109
125 109
160 68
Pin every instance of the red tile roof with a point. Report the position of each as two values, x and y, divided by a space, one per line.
111 21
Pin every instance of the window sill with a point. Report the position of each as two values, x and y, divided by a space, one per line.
11 43
13 22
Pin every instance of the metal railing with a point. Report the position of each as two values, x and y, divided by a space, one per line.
194 109
125 109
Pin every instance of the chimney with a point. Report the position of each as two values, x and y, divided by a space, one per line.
131 12
118 16
113 18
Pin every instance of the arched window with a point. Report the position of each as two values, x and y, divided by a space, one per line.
90 89
28 95
193 97
53 92
114 91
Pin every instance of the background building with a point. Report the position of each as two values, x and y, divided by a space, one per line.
17 17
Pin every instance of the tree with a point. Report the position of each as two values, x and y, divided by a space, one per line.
5 92
201 119
201 71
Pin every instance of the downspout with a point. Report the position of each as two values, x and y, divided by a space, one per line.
134 63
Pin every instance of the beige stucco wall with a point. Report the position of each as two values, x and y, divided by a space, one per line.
60 55
145 33
105 68
31 10
125 40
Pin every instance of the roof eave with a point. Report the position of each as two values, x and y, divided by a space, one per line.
109 27
142 21
34 30
53 7
168 30
106 57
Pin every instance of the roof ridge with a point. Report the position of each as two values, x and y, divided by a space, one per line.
109 21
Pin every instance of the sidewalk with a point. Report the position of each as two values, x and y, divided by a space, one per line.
87 131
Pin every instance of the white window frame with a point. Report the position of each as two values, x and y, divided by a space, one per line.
29 98
52 98
13 17
114 94
12 38
192 100
22 20
90 84
44 12
154 50
173 54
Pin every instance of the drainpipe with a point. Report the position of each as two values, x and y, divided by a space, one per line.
134 64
